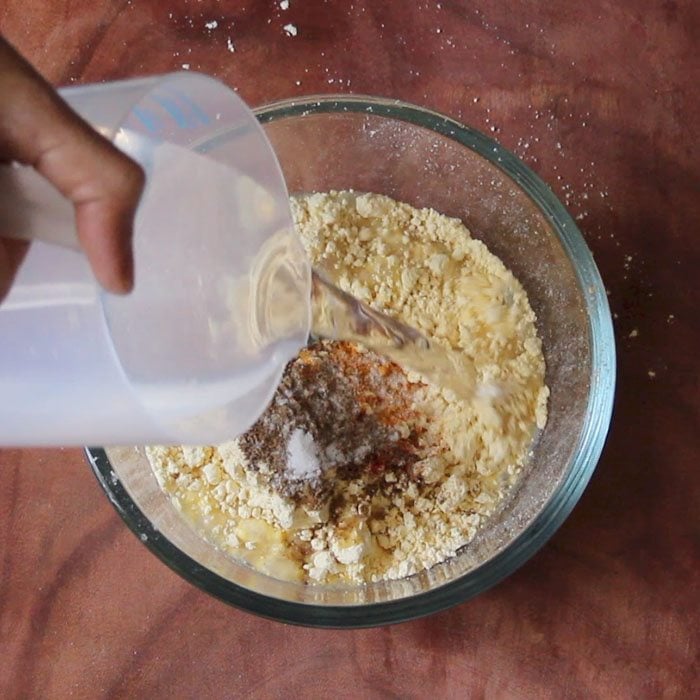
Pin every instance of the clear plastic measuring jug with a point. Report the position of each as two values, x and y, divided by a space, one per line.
221 300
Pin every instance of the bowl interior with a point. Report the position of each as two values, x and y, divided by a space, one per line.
412 156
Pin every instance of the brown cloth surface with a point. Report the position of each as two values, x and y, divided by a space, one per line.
601 99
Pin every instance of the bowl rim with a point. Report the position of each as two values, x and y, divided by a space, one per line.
584 456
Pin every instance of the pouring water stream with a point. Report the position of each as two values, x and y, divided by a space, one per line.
337 315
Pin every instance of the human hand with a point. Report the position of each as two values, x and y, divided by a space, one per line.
37 128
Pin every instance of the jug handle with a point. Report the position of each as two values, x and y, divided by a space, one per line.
33 209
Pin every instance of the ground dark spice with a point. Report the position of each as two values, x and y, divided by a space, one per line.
350 402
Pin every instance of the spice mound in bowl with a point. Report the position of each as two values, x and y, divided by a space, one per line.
360 471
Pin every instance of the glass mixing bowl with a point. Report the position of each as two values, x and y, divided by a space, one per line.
423 158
